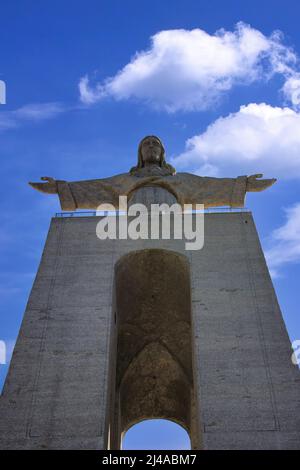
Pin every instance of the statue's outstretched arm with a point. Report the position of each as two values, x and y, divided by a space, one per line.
62 188
254 184
48 188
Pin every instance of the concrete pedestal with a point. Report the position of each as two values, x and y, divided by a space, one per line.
242 390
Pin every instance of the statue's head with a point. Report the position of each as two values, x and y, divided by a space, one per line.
152 151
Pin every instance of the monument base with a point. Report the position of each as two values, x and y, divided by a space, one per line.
99 332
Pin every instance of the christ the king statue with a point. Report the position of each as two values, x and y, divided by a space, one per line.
153 171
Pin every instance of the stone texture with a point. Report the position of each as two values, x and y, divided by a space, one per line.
59 392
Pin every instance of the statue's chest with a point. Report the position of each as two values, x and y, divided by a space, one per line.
148 195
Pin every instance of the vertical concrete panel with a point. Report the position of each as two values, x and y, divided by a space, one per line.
56 391
247 383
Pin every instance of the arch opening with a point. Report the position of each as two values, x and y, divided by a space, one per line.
152 361
156 434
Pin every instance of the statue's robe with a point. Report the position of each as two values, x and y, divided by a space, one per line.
187 189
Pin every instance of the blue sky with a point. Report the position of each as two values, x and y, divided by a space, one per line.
79 99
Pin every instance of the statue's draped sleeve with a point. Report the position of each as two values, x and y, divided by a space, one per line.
212 192
90 194
66 198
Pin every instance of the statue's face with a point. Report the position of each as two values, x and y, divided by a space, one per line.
151 150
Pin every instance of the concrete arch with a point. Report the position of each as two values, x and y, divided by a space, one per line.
169 428
153 358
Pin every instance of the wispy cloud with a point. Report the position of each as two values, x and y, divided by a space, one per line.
191 69
14 282
291 89
285 242
258 136
31 112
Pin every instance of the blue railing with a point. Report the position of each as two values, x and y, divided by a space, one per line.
108 213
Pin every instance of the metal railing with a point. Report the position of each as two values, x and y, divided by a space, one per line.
111 213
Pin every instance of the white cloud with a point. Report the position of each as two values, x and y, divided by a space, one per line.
291 89
89 95
30 112
189 70
257 138
285 241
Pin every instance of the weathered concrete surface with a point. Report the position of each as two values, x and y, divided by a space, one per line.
250 390
58 392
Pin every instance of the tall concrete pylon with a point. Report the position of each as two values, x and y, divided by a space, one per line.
121 330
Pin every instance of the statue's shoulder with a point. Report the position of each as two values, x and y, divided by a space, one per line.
186 177
108 180
197 178
191 175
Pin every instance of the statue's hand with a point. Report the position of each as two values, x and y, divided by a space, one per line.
50 187
254 184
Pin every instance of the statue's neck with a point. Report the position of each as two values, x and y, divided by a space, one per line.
152 170
151 164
